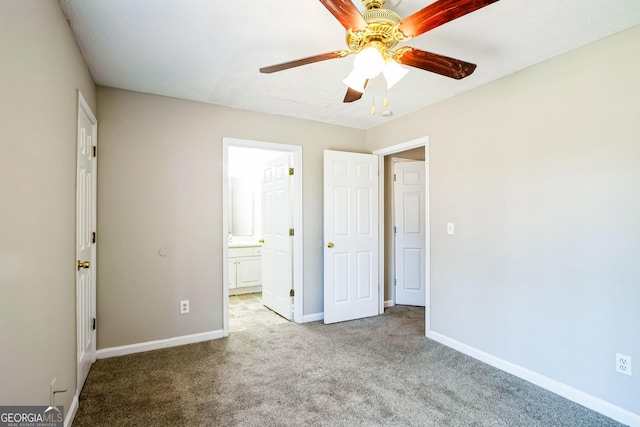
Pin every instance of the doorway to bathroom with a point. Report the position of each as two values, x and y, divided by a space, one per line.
262 217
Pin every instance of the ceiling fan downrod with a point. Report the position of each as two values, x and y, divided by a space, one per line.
373 4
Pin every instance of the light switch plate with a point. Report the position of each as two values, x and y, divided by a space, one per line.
449 228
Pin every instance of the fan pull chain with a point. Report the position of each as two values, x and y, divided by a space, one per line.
373 103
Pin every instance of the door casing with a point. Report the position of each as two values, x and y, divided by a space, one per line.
296 192
416 143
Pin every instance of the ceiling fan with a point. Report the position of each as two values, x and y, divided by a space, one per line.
373 34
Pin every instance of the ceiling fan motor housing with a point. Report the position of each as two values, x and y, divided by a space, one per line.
381 25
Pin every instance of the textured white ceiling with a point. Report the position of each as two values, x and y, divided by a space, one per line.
210 50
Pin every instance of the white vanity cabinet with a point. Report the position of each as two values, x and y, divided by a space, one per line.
245 269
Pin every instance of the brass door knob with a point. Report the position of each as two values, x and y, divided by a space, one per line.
81 264
330 245
261 241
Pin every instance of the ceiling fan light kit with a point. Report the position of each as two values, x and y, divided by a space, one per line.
393 72
369 62
373 35
355 81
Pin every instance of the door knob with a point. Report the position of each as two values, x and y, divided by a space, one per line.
81 264
261 241
330 245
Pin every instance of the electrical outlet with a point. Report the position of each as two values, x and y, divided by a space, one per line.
184 306
623 364
51 394
53 391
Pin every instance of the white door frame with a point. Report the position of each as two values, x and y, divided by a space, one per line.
296 188
416 143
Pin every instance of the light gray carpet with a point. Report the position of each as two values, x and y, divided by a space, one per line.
376 371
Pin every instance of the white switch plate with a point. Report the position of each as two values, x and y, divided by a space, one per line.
449 228
184 306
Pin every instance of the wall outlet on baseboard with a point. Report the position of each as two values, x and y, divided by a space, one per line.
184 306
623 364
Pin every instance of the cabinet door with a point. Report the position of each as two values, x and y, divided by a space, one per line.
249 271
232 273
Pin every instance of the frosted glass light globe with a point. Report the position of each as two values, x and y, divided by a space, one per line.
355 81
369 62
393 72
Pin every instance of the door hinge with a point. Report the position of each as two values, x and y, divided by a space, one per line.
291 232
93 324
394 282
291 293
95 151
394 229
394 176
93 237
290 171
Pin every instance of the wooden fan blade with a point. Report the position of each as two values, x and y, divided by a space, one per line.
346 12
304 61
438 13
433 62
354 95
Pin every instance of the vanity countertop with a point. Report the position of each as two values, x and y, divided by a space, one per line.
243 244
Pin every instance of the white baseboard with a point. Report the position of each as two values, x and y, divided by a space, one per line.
312 317
389 303
105 353
71 413
595 403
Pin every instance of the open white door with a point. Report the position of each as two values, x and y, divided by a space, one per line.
85 241
350 236
277 262
409 205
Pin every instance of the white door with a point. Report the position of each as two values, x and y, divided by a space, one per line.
85 241
350 236
410 257
277 262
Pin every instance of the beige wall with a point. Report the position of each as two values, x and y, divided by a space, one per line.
41 71
540 172
159 185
